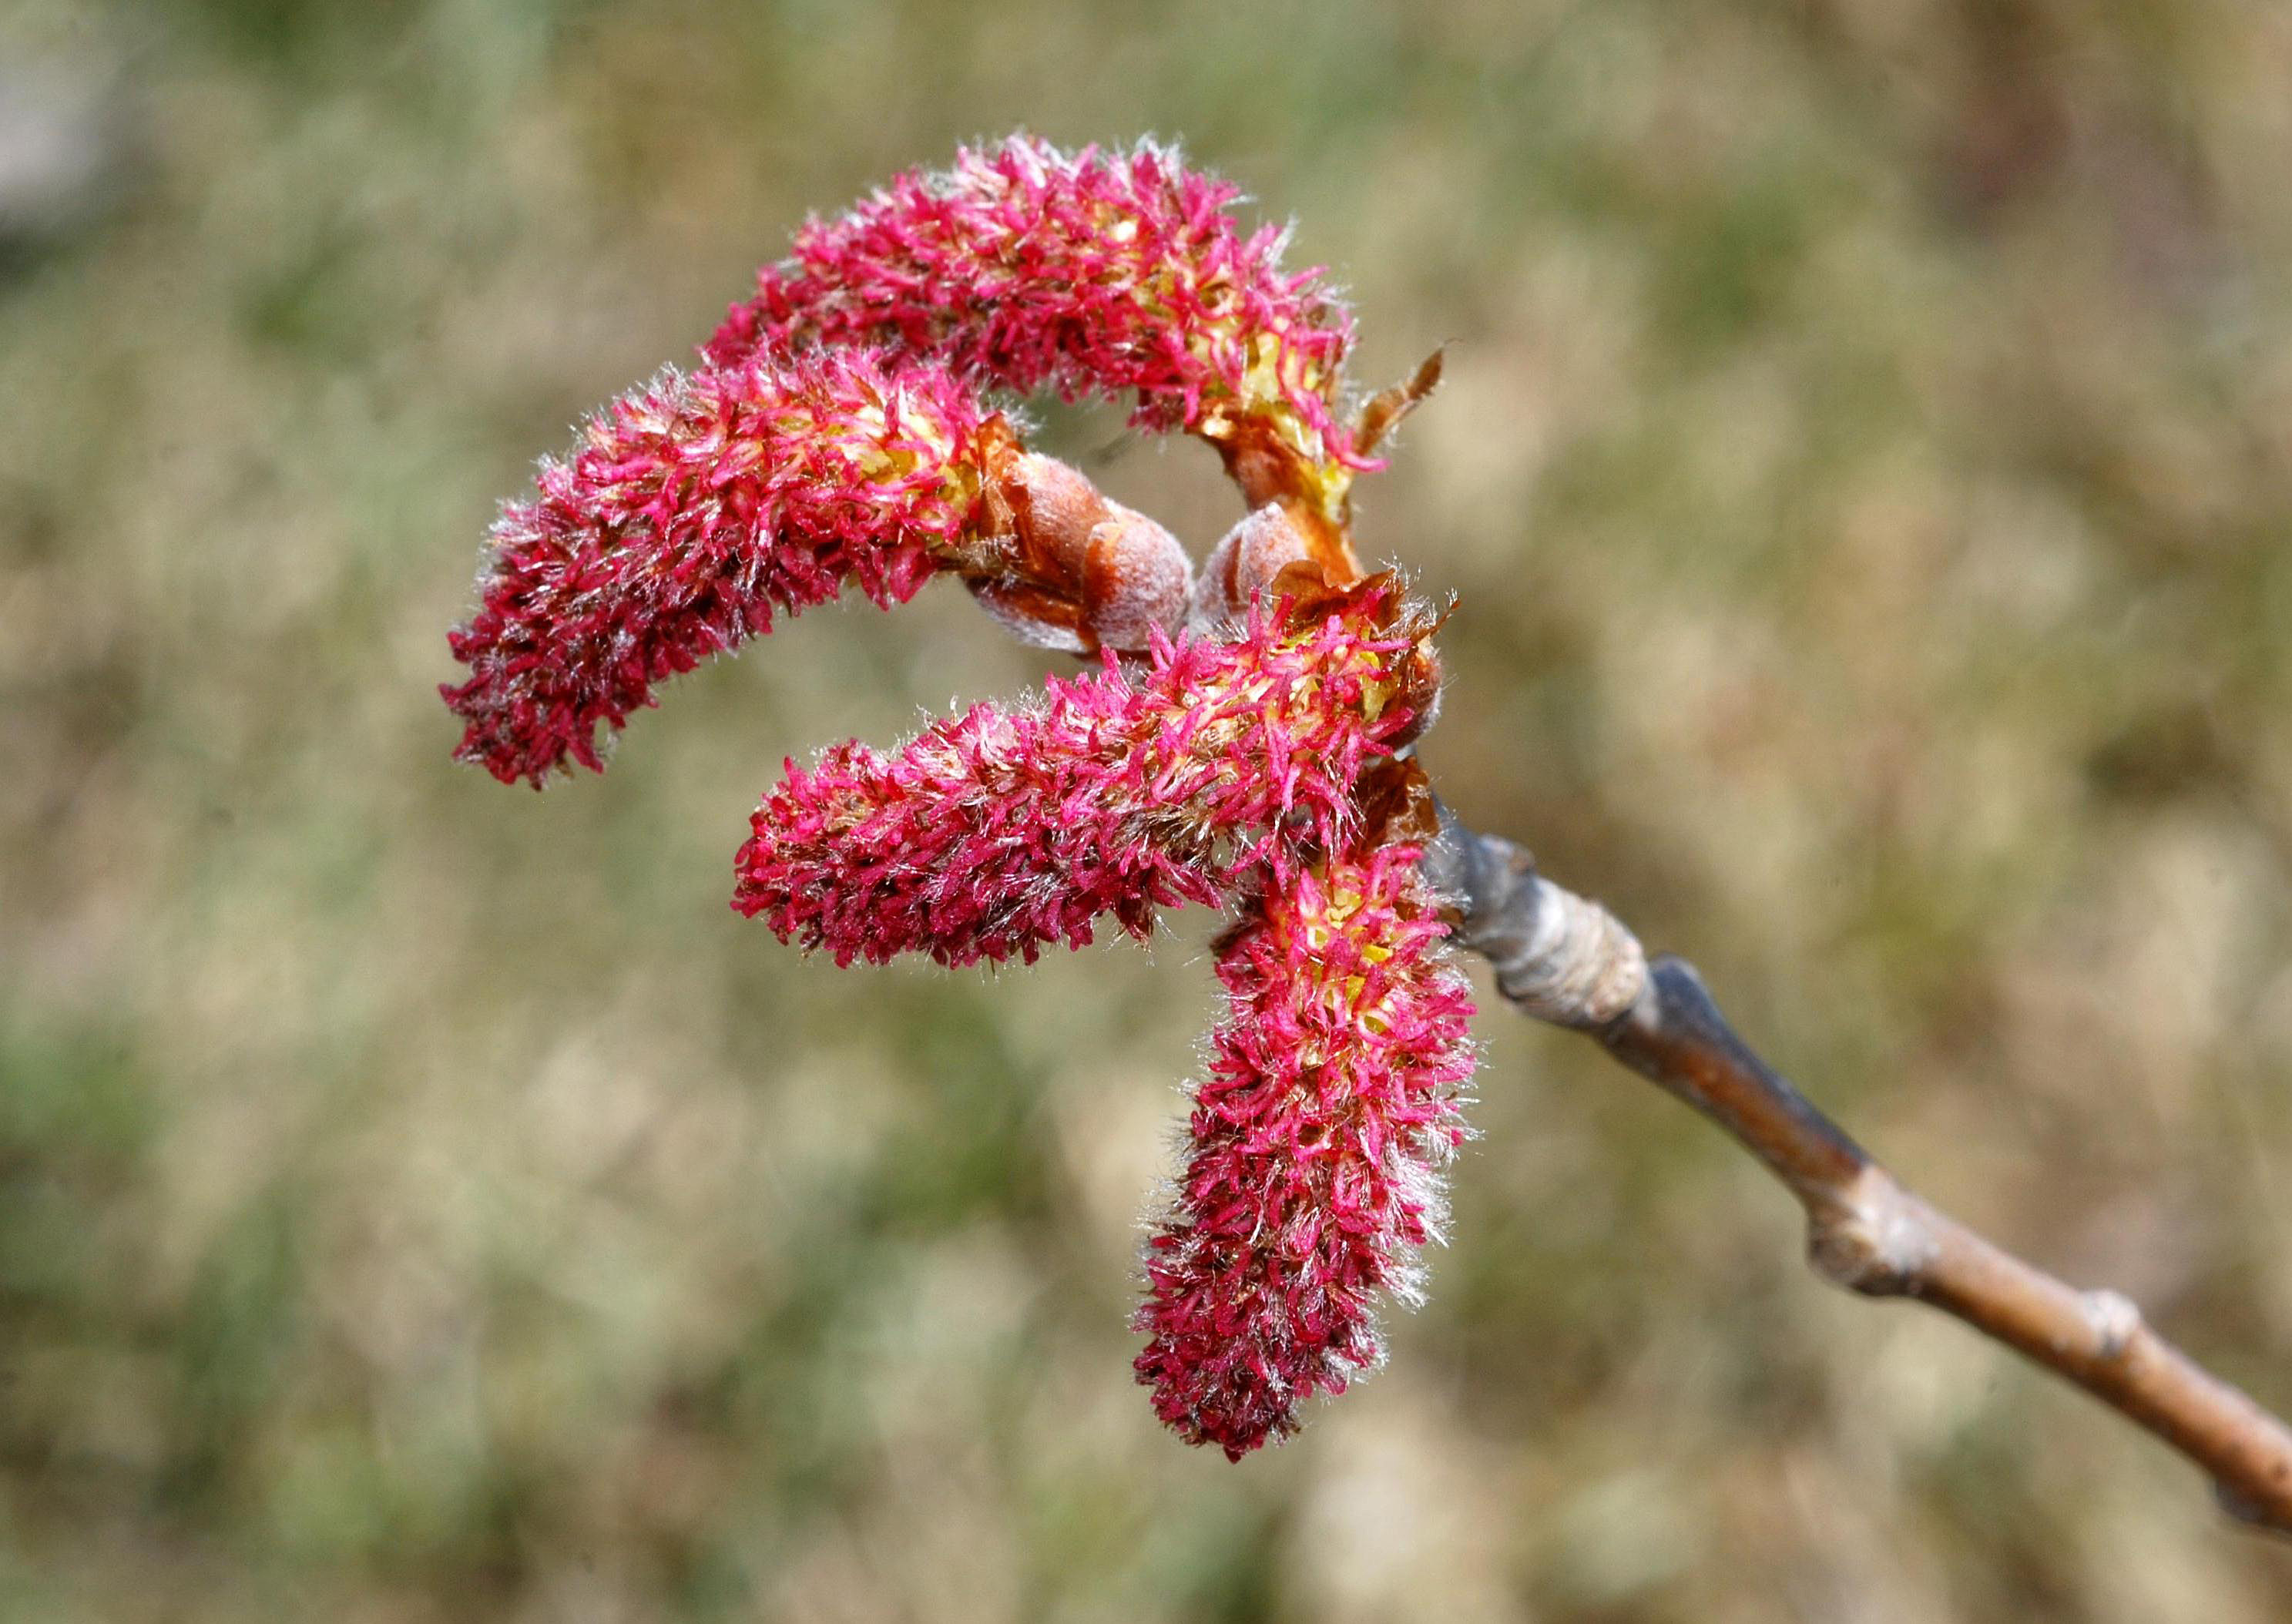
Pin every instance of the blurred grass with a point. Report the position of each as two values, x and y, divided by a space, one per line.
1866 470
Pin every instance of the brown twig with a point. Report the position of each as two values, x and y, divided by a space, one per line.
1565 959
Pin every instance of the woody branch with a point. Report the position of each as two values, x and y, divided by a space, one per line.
1565 959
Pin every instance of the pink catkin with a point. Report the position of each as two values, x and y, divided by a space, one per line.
1317 1140
833 437
1003 830
1097 273
691 510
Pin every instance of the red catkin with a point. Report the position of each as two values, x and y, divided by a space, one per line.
1317 1139
1104 273
690 512
1006 830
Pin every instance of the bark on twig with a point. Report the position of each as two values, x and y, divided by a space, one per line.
1565 959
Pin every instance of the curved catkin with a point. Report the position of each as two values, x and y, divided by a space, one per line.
1317 1139
1101 273
690 512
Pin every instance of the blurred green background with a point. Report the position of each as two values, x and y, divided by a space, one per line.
1867 472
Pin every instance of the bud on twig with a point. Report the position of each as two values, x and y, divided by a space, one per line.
1244 566
1089 572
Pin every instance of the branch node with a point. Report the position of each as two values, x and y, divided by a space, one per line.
1869 1238
1580 965
2116 1320
1561 958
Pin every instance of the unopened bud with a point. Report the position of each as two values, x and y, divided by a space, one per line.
1040 619
1056 506
1244 565
1093 573
1136 578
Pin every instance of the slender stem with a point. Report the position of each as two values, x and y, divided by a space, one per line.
1565 959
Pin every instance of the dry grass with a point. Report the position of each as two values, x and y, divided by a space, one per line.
1868 472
